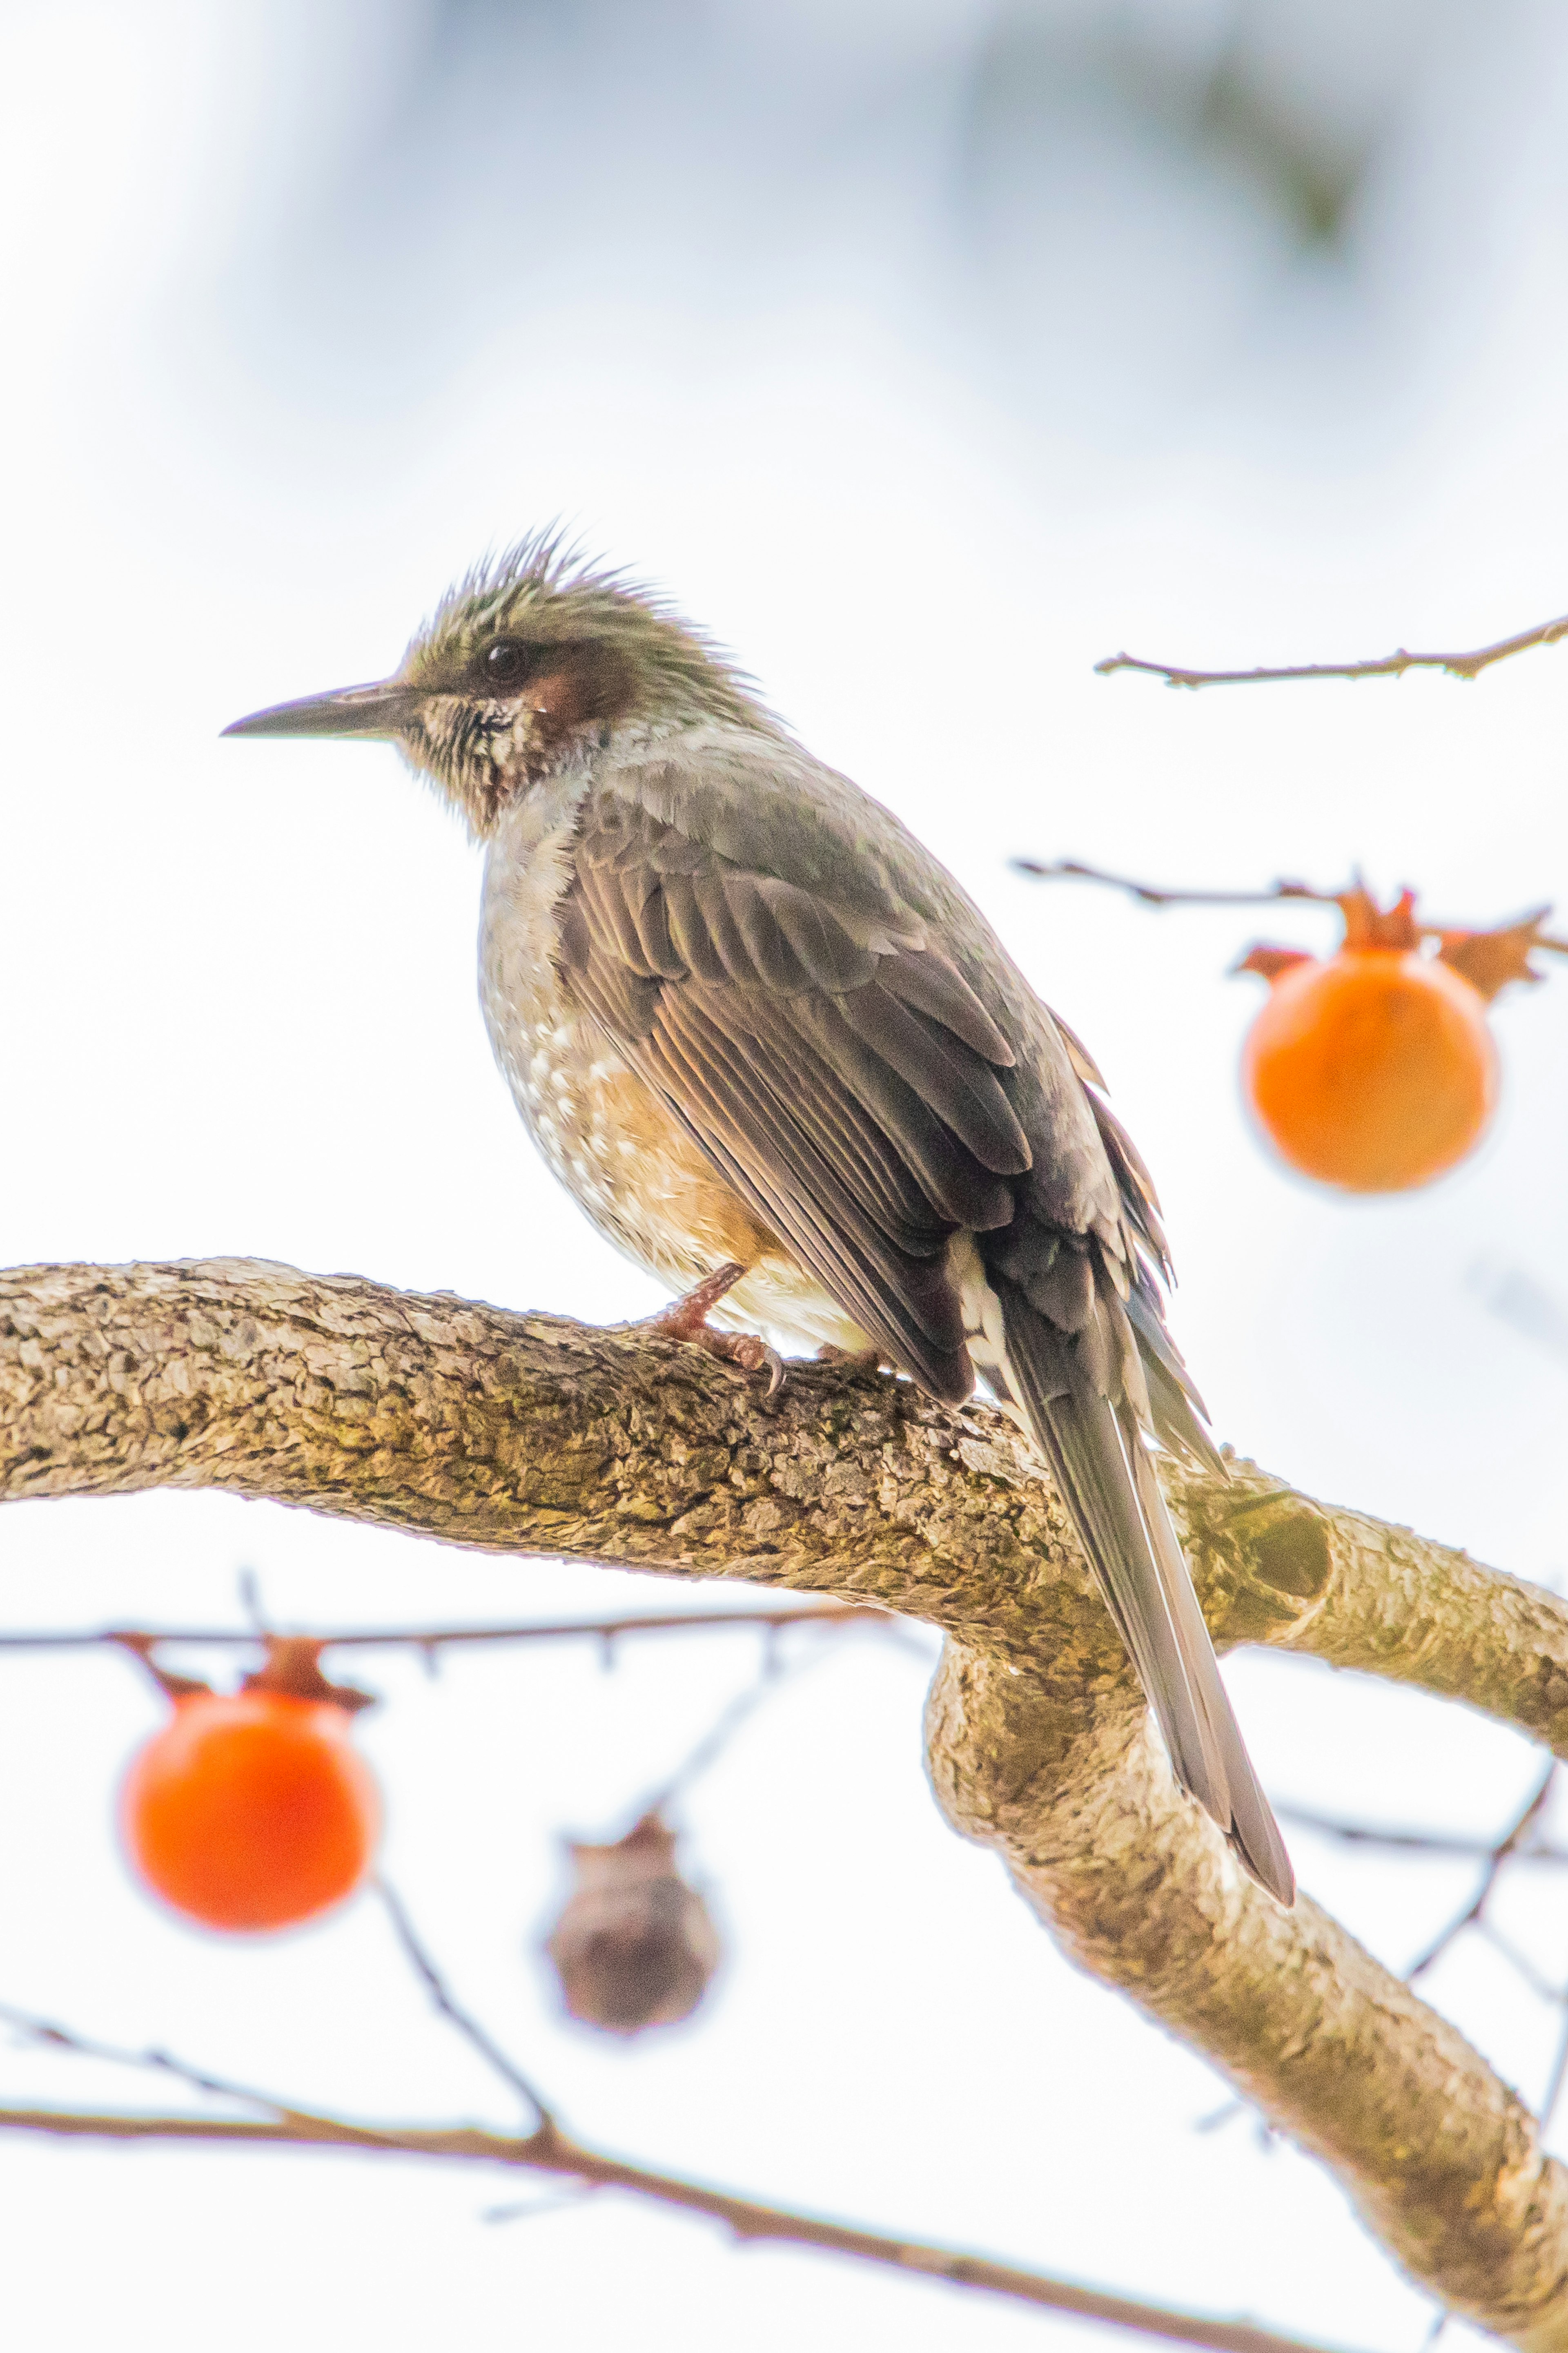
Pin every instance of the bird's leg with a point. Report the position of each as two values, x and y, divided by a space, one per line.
685 1318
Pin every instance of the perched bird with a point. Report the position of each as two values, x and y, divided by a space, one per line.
750 1021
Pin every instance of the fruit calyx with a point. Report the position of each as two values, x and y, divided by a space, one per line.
1489 960
292 1669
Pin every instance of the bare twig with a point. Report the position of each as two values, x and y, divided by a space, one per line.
1394 665
1515 1297
1152 894
1071 870
530 2210
433 1638
1554 2091
29 2028
1412 1841
719 1733
713 1743
250 1601
1519 1962
1508 1846
450 2009
551 2152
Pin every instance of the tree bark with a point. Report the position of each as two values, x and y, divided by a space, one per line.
531 1434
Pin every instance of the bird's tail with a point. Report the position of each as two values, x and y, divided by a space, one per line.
1073 1392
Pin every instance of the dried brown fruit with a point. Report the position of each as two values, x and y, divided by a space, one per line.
635 1945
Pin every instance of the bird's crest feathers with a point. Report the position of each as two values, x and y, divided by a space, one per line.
545 587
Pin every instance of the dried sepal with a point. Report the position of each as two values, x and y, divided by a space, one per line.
1489 961
173 1687
1271 962
293 1667
635 1945
1368 925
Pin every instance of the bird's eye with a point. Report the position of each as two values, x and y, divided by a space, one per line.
505 663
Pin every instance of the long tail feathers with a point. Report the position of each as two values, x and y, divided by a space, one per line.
1253 1832
1105 1476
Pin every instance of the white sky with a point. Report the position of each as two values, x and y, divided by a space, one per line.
712 298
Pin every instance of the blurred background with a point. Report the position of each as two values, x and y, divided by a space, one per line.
927 354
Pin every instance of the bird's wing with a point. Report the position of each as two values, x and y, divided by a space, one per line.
846 1079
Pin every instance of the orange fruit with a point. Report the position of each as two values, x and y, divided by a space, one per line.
251 1810
1374 1072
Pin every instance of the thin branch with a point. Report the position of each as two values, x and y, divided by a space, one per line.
29 2027
530 2209
719 1733
1152 894
1555 2080
1519 1962
1411 1841
450 2009
713 1743
1394 665
435 1638
1071 870
550 2152
1506 1847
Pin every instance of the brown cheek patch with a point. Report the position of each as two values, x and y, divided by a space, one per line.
583 686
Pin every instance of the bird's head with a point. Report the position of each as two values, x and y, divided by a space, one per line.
531 660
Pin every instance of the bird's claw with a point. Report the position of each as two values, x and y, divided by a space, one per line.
751 1354
685 1318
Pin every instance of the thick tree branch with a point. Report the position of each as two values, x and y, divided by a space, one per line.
532 1434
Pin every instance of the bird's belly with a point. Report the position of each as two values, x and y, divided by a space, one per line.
640 1179
621 1154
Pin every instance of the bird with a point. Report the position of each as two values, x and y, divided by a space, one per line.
776 1052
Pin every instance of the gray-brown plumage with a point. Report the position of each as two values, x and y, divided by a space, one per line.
749 1018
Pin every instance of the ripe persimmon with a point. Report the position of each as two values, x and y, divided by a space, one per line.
1374 1072
251 1810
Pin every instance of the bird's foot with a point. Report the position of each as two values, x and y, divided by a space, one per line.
687 1319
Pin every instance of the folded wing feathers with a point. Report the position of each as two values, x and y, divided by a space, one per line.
961 1088
902 1299
928 983
961 1189
1178 1413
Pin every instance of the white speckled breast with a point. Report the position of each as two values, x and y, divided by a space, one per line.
621 1154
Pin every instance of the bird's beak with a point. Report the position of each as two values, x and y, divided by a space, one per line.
383 709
